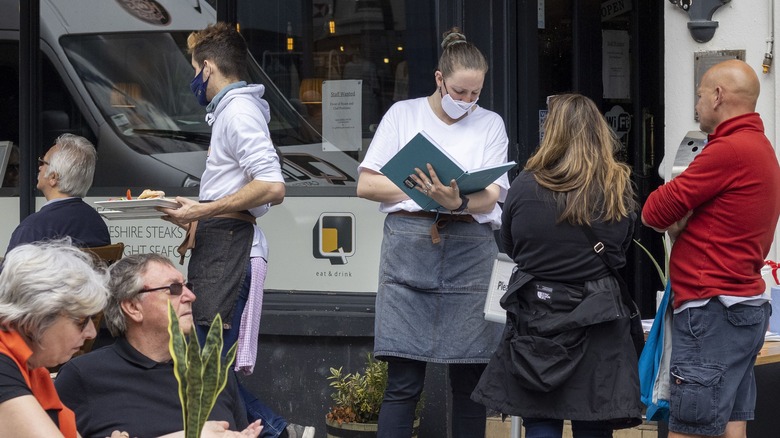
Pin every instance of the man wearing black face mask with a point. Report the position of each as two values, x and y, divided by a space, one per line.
241 182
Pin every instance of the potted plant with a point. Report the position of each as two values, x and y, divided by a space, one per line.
202 373
357 399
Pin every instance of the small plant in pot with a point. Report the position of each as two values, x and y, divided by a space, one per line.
357 399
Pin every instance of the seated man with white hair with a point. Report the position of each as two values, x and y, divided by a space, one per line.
130 385
64 175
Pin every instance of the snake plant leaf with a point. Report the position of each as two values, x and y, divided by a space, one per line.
213 338
195 419
178 348
212 349
231 356
661 272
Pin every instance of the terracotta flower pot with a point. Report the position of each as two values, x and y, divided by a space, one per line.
358 430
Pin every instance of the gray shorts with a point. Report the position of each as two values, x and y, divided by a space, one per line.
714 349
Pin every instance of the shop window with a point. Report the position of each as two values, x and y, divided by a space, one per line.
373 53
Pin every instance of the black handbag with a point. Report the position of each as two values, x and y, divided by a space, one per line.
636 330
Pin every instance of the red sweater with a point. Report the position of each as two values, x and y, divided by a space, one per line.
733 188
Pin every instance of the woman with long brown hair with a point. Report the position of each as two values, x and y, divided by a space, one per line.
566 351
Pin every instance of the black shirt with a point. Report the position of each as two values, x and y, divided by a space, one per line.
12 385
118 388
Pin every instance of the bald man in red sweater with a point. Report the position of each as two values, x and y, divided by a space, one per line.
722 212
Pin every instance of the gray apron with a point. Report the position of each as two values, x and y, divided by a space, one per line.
431 297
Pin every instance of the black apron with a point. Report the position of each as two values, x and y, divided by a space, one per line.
218 267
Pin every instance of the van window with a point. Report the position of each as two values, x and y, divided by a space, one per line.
59 112
140 84
9 91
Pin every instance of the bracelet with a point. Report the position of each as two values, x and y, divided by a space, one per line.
464 203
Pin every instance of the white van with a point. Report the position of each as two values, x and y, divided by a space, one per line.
117 72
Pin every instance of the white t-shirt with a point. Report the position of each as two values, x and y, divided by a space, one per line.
475 141
241 151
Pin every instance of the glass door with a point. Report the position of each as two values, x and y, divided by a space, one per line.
611 52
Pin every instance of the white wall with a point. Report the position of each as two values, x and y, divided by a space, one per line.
742 25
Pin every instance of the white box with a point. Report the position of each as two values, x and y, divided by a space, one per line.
503 267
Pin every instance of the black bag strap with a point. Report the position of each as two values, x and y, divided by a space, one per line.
599 248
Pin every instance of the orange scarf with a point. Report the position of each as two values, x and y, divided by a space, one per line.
38 380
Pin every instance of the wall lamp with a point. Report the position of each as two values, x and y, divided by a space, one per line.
700 12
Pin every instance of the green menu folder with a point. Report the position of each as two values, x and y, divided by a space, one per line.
421 150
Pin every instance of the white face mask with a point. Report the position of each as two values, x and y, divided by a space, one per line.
455 108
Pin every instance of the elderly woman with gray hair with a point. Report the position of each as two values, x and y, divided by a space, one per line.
48 292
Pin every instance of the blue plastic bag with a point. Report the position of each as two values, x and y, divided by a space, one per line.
654 381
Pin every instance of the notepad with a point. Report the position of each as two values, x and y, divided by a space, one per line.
421 150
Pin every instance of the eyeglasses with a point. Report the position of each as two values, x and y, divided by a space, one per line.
81 322
175 289
41 162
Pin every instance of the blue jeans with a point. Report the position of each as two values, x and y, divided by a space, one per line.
273 423
551 428
405 380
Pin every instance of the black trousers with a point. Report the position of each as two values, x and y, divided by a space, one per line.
405 381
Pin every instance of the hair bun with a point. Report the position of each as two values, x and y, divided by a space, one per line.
453 38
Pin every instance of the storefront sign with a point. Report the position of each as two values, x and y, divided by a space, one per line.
619 120
615 64
613 8
341 115
542 119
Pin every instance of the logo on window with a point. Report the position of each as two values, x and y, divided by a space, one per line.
147 10
334 237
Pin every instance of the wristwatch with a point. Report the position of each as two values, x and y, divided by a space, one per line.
464 203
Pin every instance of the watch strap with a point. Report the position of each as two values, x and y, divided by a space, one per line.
464 203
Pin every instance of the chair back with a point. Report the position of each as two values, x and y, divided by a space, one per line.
107 254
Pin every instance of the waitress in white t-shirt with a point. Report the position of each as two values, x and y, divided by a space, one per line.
435 266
